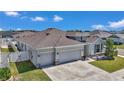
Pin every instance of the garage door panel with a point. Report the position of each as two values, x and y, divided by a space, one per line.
69 56
45 59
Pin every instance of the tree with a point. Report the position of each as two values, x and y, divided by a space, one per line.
111 50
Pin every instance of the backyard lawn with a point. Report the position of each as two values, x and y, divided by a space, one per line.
110 65
120 46
28 72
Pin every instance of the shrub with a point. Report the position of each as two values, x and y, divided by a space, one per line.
111 50
118 43
5 73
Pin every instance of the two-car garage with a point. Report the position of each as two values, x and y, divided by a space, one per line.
63 56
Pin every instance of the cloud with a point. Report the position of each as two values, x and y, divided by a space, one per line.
57 18
37 18
111 25
99 27
1 29
12 13
117 24
18 29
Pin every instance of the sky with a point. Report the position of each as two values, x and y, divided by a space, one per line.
65 20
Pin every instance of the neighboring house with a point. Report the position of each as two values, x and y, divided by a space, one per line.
117 38
101 33
94 43
49 47
23 33
79 36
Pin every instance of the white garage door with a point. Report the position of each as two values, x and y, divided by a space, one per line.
45 59
69 56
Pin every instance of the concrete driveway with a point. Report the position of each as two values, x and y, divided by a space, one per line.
78 70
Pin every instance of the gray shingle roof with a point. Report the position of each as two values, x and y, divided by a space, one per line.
92 39
77 33
101 33
23 34
120 35
48 38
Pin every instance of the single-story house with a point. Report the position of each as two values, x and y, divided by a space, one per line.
117 38
49 47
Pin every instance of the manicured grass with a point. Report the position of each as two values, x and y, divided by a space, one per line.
34 75
120 46
4 73
24 66
110 65
7 50
28 72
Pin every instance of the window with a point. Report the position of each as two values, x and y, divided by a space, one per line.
97 48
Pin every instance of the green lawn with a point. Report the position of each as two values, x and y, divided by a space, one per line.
7 50
28 72
24 66
34 75
120 46
110 65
